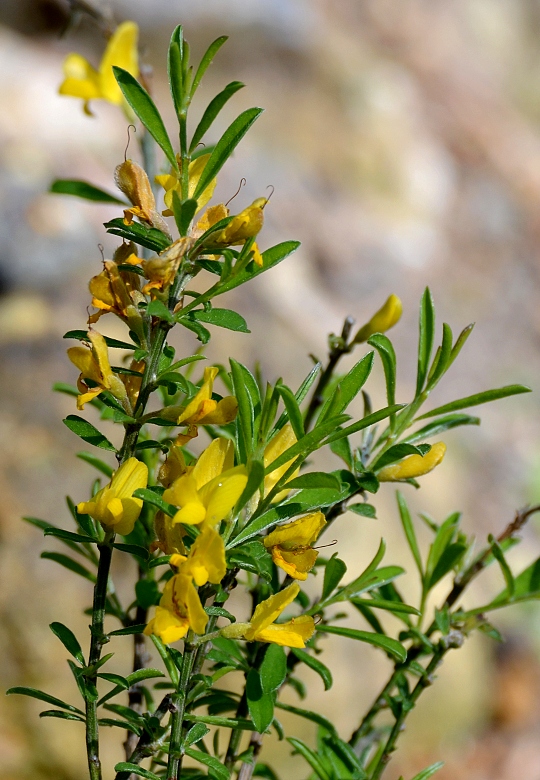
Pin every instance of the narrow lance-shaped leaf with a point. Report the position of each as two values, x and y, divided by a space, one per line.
206 61
293 410
391 646
42 696
333 574
477 399
386 351
408 527
82 189
69 640
441 362
311 758
425 339
225 147
174 68
505 568
145 108
88 432
365 422
223 318
309 660
440 426
245 417
212 110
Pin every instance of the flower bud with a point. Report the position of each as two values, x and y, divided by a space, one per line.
387 316
413 465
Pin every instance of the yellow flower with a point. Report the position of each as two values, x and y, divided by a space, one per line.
261 627
283 439
174 466
179 610
133 181
170 536
83 81
94 365
413 465
387 316
202 409
206 559
171 182
161 269
290 544
114 506
208 491
117 292
242 228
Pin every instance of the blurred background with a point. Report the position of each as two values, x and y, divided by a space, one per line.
403 141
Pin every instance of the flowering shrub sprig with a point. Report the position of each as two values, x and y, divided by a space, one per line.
247 511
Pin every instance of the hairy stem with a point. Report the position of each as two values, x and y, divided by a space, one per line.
178 708
97 641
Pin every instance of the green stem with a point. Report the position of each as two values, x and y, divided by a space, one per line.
336 353
97 641
178 707
421 685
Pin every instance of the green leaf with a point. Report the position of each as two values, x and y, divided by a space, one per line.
212 110
175 70
151 238
309 660
215 720
314 479
68 536
133 549
439 426
255 480
302 502
390 606
88 457
273 669
307 444
42 696
195 734
367 582
137 629
442 359
202 333
391 646
333 574
271 258
223 318
348 388
364 510
150 497
88 432
69 563
410 534
145 108
147 593
294 415
366 422
451 556
384 347
69 640
82 189
218 770
225 147
309 715
443 537
183 211
397 452
505 568
157 308
425 340
260 704
82 335
429 772
477 399
311 758
206 61
135 769
62 715
245 419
